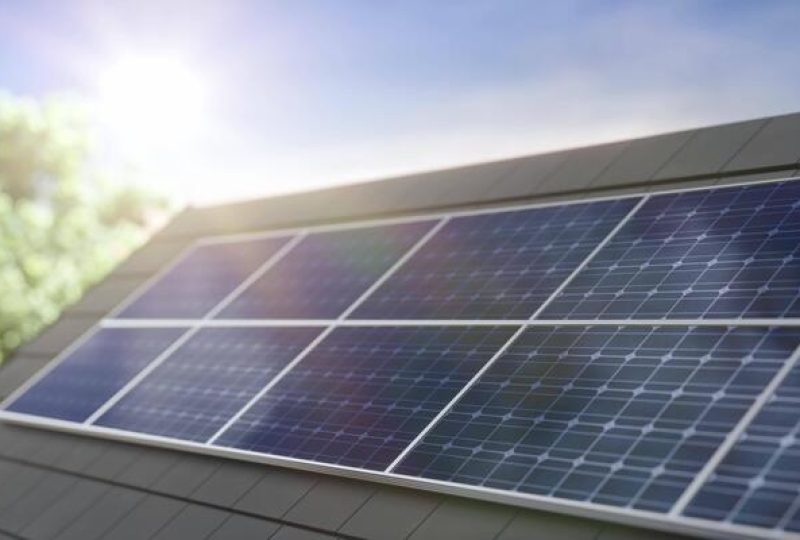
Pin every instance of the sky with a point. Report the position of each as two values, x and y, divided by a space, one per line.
303 94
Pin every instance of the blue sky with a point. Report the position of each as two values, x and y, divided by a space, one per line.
310 93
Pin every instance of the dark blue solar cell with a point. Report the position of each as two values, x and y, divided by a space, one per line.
623 416
502 265
364 393
757 482
202 279
326 272
94 372
718 253
205 382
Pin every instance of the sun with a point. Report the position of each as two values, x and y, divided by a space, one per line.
152 99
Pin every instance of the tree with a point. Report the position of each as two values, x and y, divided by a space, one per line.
62 228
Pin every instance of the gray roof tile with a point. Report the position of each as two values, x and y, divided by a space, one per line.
24 479
186 475
80 496
641 159
101 516
276 493
113 461
581 167
777 143
194 521
709 149
525 177
466 520
57 336
294 533
57 447
26 508
146 518
83 453
148 468
151 257
228 483
20 442
391 513
330 503
241 527
104 296
622 532
530 525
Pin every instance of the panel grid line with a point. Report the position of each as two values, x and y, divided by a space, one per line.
235 418
286 248
394 268
275 380
455 399
508 343
245 323
692 489
141 375
152 280
260 271
591 255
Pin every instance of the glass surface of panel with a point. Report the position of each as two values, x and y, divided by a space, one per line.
202 279
205 381
721 253
363 393
622 416
758 482
500 265
86 378
325 273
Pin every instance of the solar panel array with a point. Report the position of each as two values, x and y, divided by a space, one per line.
629 357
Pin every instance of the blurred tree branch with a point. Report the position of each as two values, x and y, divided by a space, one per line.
63 224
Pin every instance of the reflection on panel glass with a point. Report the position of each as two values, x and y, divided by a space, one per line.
325 273
364 393
723 253
623 416
205 382
202 279
94 372
494 266
757 482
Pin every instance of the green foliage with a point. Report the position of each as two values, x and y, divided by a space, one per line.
61 228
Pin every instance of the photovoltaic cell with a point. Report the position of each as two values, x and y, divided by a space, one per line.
721 253
94 372
758 482
204 382
325 272
364 393
501 265
622 416
202 279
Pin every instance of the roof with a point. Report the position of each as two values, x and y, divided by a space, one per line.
67 486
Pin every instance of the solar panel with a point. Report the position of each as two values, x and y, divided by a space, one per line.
202 279
500 265
325 273
758 482
722 253
623 416
92 373
364 393
613 357
203 383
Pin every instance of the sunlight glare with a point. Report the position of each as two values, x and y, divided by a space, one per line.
152 100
